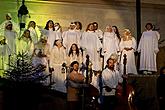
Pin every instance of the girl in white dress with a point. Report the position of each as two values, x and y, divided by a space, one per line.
33 33
74 55
71 36
128 47
148 48
25 44
110 43
116 31
8 45
50 32
78 28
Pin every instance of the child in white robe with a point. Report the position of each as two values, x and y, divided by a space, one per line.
110 43
8 46
128 47
91 45
71 36
148 49
57 59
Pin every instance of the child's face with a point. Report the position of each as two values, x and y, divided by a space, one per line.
109 29
91 28
9 27
148 27
27 34
50 24
73 47
77 26
59 43
32 25
72 26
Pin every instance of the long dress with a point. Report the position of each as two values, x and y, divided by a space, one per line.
130 65
7 49
148 48
92 45
11 41
110 45
70 37
57 58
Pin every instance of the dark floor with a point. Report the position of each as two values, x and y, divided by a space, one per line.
46 99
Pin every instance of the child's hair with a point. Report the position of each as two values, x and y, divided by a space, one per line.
71 51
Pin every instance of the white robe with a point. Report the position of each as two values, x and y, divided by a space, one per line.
57 58
58 35
110 45
11 41
99 33
111 79
33 35
79 33
15 26
148 48
92 45
51 36
130 64
70 37
8 49
25 45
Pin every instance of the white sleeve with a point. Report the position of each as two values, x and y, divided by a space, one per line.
134 43
99 45
157 34
140 43
155 42
64 36
121 45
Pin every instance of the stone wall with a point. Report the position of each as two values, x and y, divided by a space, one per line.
119 12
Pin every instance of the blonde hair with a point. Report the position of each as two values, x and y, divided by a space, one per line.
127 33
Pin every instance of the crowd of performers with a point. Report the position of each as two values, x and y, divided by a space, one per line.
57 49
